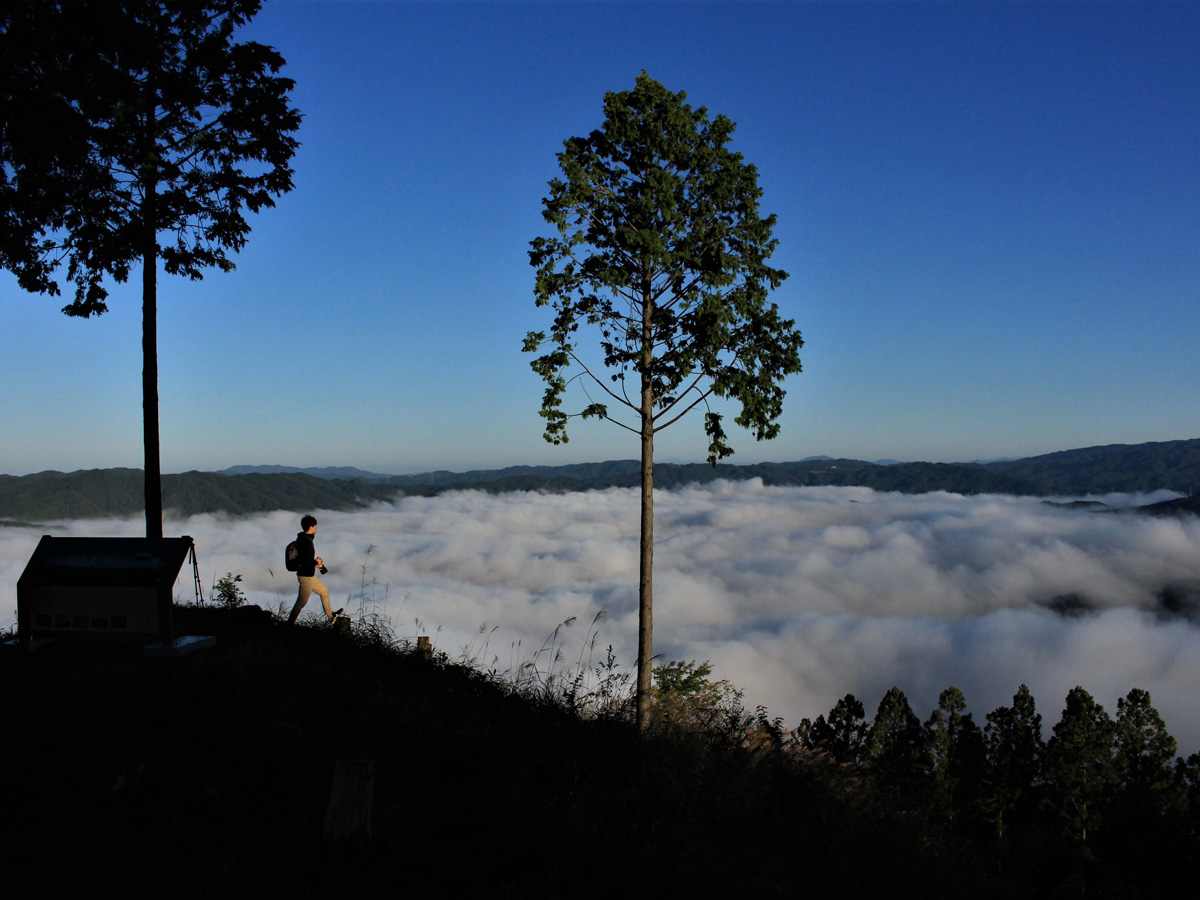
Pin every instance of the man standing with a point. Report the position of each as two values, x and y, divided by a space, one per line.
306 573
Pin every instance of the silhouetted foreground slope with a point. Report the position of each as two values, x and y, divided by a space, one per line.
210 775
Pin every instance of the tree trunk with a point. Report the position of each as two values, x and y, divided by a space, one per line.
153 467
646 574
154 503
646 579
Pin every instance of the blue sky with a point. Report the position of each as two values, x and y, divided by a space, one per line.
990 214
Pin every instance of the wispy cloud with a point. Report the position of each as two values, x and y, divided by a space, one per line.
797 595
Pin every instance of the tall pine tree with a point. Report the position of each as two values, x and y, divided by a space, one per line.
1015 754
1079 764
660 253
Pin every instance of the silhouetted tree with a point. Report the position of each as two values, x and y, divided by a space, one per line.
660 250
1079 764
956 752
1144 765
895 752
1187 776
841 735
135 133
1014 760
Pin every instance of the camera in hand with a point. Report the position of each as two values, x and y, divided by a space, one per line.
324 571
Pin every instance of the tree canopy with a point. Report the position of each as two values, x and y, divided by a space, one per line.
125 120
1079 762
661 248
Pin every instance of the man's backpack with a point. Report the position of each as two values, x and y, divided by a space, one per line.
291 557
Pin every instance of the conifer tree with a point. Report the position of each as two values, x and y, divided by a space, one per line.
1079 764
956 751
841 735
895 751
847 729
1015 753
660 254
1187 777
1143 768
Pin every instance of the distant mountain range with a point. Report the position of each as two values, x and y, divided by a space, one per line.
240 490
100 493
1114 468
344 473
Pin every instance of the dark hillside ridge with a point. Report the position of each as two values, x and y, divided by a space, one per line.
1115 468
212 773
1112 468
109 493
345 473
1170 465
1181 506
888 476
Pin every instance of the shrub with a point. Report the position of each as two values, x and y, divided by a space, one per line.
227 593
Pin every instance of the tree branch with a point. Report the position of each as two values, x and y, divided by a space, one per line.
701 399
601 384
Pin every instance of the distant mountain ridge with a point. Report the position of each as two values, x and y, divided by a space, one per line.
345 473
105 493
1112 468
241 490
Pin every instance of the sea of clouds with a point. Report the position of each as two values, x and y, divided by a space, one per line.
796 595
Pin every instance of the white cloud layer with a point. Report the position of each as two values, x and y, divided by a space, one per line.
796 595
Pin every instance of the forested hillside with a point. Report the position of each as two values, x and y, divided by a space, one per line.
102 493
1171 465
1174 465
